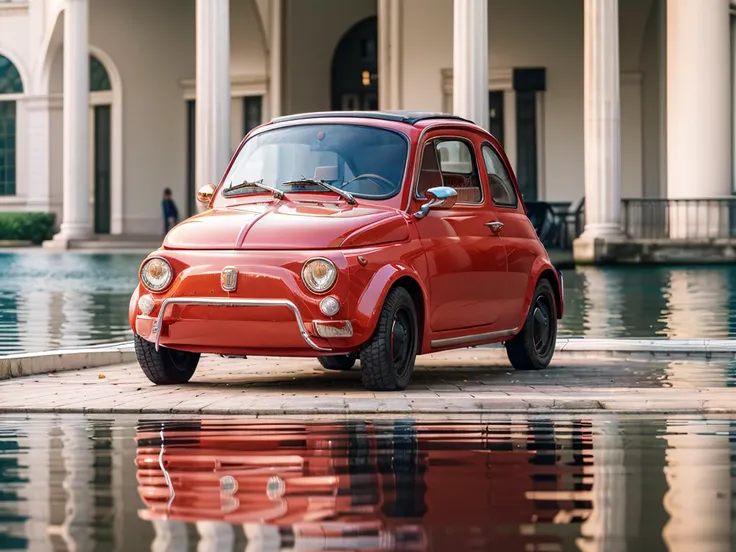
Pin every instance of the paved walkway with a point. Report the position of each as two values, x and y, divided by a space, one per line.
462 382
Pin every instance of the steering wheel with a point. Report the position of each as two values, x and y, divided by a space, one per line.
384 183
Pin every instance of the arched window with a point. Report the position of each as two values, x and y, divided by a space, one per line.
99 80
10 87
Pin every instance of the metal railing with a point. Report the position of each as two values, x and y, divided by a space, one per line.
679 219
557 225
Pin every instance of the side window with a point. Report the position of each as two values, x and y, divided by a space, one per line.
499 181
429 175
459 170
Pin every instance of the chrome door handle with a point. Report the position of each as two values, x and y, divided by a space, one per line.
495 226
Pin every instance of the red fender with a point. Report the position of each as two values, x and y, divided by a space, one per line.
371 300
541 265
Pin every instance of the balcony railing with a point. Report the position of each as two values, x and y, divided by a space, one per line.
679 219
642 218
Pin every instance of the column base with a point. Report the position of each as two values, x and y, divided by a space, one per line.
595 247
64 238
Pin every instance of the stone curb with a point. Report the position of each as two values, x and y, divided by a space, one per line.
634 349
65 359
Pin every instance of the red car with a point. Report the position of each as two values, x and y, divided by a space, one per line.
375 236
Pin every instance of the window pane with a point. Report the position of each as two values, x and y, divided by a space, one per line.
459 170
252 109
502 190
430 176
7 148
98 78
10 82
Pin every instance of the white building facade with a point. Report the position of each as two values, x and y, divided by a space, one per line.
104 103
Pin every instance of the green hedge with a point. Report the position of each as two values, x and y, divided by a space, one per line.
35 227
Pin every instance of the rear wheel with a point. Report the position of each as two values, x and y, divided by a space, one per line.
340 362
533 347
165 366
387 358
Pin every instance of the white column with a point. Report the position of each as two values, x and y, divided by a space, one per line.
602 120
470 61
213 91
698 111
389 54
275 58
76 222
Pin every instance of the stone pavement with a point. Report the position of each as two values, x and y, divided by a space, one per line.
466 381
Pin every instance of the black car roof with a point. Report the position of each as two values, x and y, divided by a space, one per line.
410 117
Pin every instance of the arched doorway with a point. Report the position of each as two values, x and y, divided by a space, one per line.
355 68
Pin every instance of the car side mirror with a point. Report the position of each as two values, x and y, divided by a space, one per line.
204 194
441 197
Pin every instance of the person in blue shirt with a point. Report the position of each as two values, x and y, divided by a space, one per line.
170 212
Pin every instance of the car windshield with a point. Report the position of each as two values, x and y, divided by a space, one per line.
367 162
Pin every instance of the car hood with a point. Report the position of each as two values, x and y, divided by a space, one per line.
289 225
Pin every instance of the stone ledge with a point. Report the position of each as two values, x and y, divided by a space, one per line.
567 348
16 243
64 359
618 250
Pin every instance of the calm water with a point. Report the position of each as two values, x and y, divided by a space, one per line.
51 300
512 484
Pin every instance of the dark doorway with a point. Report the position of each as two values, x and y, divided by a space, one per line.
527 84
191 193
355 68
495 114
526 144
252 112
102 168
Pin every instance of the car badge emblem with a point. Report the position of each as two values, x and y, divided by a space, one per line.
229 278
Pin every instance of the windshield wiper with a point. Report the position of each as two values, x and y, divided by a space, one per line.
347 196
279 194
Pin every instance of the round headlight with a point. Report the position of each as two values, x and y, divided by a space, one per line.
156 274
319 275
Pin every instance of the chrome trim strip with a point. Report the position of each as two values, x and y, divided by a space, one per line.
471 338
222 302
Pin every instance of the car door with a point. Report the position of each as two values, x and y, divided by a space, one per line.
514 228
466 260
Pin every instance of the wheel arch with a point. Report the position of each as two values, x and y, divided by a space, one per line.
551 276
374 296
417 295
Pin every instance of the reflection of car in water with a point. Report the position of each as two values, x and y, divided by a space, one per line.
393 485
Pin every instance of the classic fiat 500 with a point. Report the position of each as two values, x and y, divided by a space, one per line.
346 236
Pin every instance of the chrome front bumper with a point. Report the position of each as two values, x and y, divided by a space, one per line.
222 302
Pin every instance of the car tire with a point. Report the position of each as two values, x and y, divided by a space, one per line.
165 366
340 363
387 358
533 347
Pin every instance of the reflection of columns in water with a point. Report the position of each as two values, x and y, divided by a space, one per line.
171 536
37 493
605 528
76 326
78 461
215 536
603 303
696 302
34 321
698 472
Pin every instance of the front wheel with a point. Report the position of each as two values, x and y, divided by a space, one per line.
387 358
532 348
165 366
341 363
